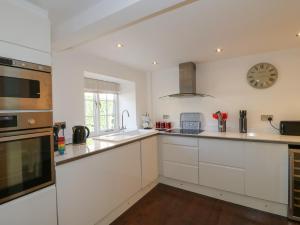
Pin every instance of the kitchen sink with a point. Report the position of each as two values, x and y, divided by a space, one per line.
125 135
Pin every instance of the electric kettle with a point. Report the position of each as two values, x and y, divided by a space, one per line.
80 134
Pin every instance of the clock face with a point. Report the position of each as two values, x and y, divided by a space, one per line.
262 75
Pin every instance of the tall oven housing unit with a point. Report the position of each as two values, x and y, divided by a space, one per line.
26 136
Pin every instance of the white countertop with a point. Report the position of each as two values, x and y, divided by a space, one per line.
262 137
94 146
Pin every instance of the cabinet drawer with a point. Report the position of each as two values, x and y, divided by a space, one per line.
181 154
227 153
222 177
180 172
176 140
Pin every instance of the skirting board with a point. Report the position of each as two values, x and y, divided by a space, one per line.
114 214
259 204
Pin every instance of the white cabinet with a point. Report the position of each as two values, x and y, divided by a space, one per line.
267 171
222 152
181 154
89 188
38 208
221 164
149 156
24 25
222 177
183 141
179 158
180 171
25 32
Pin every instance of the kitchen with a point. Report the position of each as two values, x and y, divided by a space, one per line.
216 85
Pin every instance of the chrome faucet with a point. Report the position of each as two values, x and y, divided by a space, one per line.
124 127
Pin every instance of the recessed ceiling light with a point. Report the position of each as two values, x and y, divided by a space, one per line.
298 35
154 63
119 45
219 50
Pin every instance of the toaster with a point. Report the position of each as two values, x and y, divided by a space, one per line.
290 128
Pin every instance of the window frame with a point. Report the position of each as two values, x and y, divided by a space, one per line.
96 113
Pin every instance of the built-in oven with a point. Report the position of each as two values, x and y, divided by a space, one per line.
26 153
24 86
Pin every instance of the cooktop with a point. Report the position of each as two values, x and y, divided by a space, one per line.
185 131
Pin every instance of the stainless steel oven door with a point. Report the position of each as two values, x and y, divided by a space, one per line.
26 162
25 89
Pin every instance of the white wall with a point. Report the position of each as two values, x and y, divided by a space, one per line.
68 74
226 80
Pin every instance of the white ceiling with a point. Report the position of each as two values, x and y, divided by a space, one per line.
62 10
194 31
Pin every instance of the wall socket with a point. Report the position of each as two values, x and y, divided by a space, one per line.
166 117
61 125
264 117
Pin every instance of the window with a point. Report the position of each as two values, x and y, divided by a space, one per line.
101 109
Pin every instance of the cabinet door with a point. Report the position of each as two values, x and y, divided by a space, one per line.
149 160
181 154
180 171
24 25
222 177
222 152
266 174
89 188
38 208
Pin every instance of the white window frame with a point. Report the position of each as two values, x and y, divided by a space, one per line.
96 113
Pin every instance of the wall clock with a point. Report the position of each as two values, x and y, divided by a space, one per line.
262 75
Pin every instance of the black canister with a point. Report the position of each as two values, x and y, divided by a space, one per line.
243 121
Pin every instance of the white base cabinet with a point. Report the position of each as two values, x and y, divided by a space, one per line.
38 208
89 188
149 160
255 169
179 158
266 174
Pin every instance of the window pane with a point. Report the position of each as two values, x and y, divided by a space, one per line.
104 116
102 96
89 108
111 122
110 107
110 96
89 122
103 125
102 107
88 96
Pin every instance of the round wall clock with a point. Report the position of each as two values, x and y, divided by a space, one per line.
262 75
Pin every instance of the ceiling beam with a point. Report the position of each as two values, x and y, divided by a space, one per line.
106 17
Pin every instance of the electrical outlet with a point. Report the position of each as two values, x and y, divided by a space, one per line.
166 117
266 117
61 125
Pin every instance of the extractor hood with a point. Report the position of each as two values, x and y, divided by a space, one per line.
187 82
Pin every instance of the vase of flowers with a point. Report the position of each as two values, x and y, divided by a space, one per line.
222 118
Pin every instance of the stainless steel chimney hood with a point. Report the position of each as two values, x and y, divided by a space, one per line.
187 82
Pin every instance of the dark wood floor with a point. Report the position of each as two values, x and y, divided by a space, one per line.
166 205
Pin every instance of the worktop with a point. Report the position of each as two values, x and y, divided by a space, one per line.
94 146
256 137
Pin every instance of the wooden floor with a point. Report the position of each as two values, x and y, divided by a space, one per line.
166 205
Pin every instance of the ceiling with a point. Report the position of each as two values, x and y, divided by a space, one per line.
191 32
194 31
62 10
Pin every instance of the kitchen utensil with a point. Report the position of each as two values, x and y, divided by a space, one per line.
243 121
80 134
